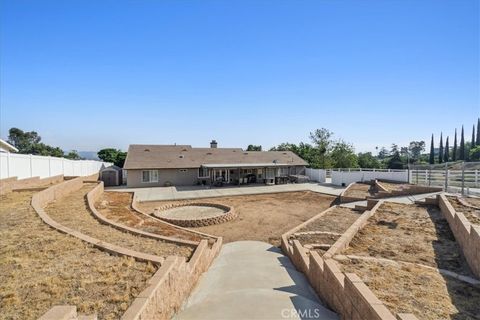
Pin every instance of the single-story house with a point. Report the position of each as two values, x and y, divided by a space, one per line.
182 165
7 147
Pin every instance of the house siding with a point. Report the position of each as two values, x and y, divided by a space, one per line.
173 176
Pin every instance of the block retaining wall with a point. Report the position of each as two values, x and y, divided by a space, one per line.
411 189
137 209
10 184
466 234
42 198
172 284
344 198
228 215
95 194
345 293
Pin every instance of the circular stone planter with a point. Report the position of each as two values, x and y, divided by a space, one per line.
195 214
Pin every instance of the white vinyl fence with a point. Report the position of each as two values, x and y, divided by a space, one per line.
347 176
26 166
318 175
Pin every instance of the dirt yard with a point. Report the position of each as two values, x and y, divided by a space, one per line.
473 215
40 268
262 217
326 229
116 206
394 186
417 290
418 235
72 211
359 190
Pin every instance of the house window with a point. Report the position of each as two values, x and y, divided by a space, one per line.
149 176
203 172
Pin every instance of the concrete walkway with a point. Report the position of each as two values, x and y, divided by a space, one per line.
253 280
401 199
197 192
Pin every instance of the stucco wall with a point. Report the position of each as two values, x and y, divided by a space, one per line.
174 176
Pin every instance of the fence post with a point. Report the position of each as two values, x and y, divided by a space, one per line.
446 176
31 166
463 178
429 175
476 178
8 165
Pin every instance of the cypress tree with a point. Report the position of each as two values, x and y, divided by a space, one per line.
461 156
454 153
432 153
478 132
440 150
446 156
473 137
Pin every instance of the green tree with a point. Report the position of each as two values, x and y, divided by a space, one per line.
395 161
23 141
73 155
383 153
446 155
343 155
473 144
115 156
367 160
461 155
440 150
478 132
252 147
416 148
455 147
475 153
321 139
432 152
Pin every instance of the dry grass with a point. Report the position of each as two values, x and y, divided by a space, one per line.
359 190
473 215
40 267
390 186
414 234
336 220
410 233
72 211
263 217
116 206
423 292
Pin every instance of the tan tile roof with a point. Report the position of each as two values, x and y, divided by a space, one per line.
184 156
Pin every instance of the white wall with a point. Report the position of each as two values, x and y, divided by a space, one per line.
26 166
318 175
345 177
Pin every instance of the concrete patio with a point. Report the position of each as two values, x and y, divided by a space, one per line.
197 192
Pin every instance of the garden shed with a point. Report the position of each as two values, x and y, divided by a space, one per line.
111 176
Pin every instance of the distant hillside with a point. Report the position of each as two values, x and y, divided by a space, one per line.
88 155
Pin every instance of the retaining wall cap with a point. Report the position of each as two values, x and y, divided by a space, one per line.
64 312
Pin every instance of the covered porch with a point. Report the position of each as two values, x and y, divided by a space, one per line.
239 174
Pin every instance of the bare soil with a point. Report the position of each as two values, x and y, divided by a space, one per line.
40 268
394 186
336 220
423 292
472 215
420 235
263 217
359 190
410 233
72 211
473 201
116 206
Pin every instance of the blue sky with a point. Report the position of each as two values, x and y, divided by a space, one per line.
94 74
